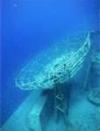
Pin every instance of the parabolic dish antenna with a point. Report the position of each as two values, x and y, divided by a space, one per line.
57 64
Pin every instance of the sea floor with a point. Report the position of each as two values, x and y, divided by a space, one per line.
83 116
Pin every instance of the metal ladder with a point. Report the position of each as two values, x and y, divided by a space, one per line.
59 104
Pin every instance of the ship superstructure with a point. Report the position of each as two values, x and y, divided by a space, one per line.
52 77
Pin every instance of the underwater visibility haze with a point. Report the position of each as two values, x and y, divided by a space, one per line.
50 77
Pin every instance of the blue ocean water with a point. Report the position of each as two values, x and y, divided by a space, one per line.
29 26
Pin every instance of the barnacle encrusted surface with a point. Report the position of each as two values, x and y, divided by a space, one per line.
94 96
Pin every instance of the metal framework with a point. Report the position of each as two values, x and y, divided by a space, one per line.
60 68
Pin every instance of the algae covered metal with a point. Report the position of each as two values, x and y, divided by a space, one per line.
52 75
61 68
